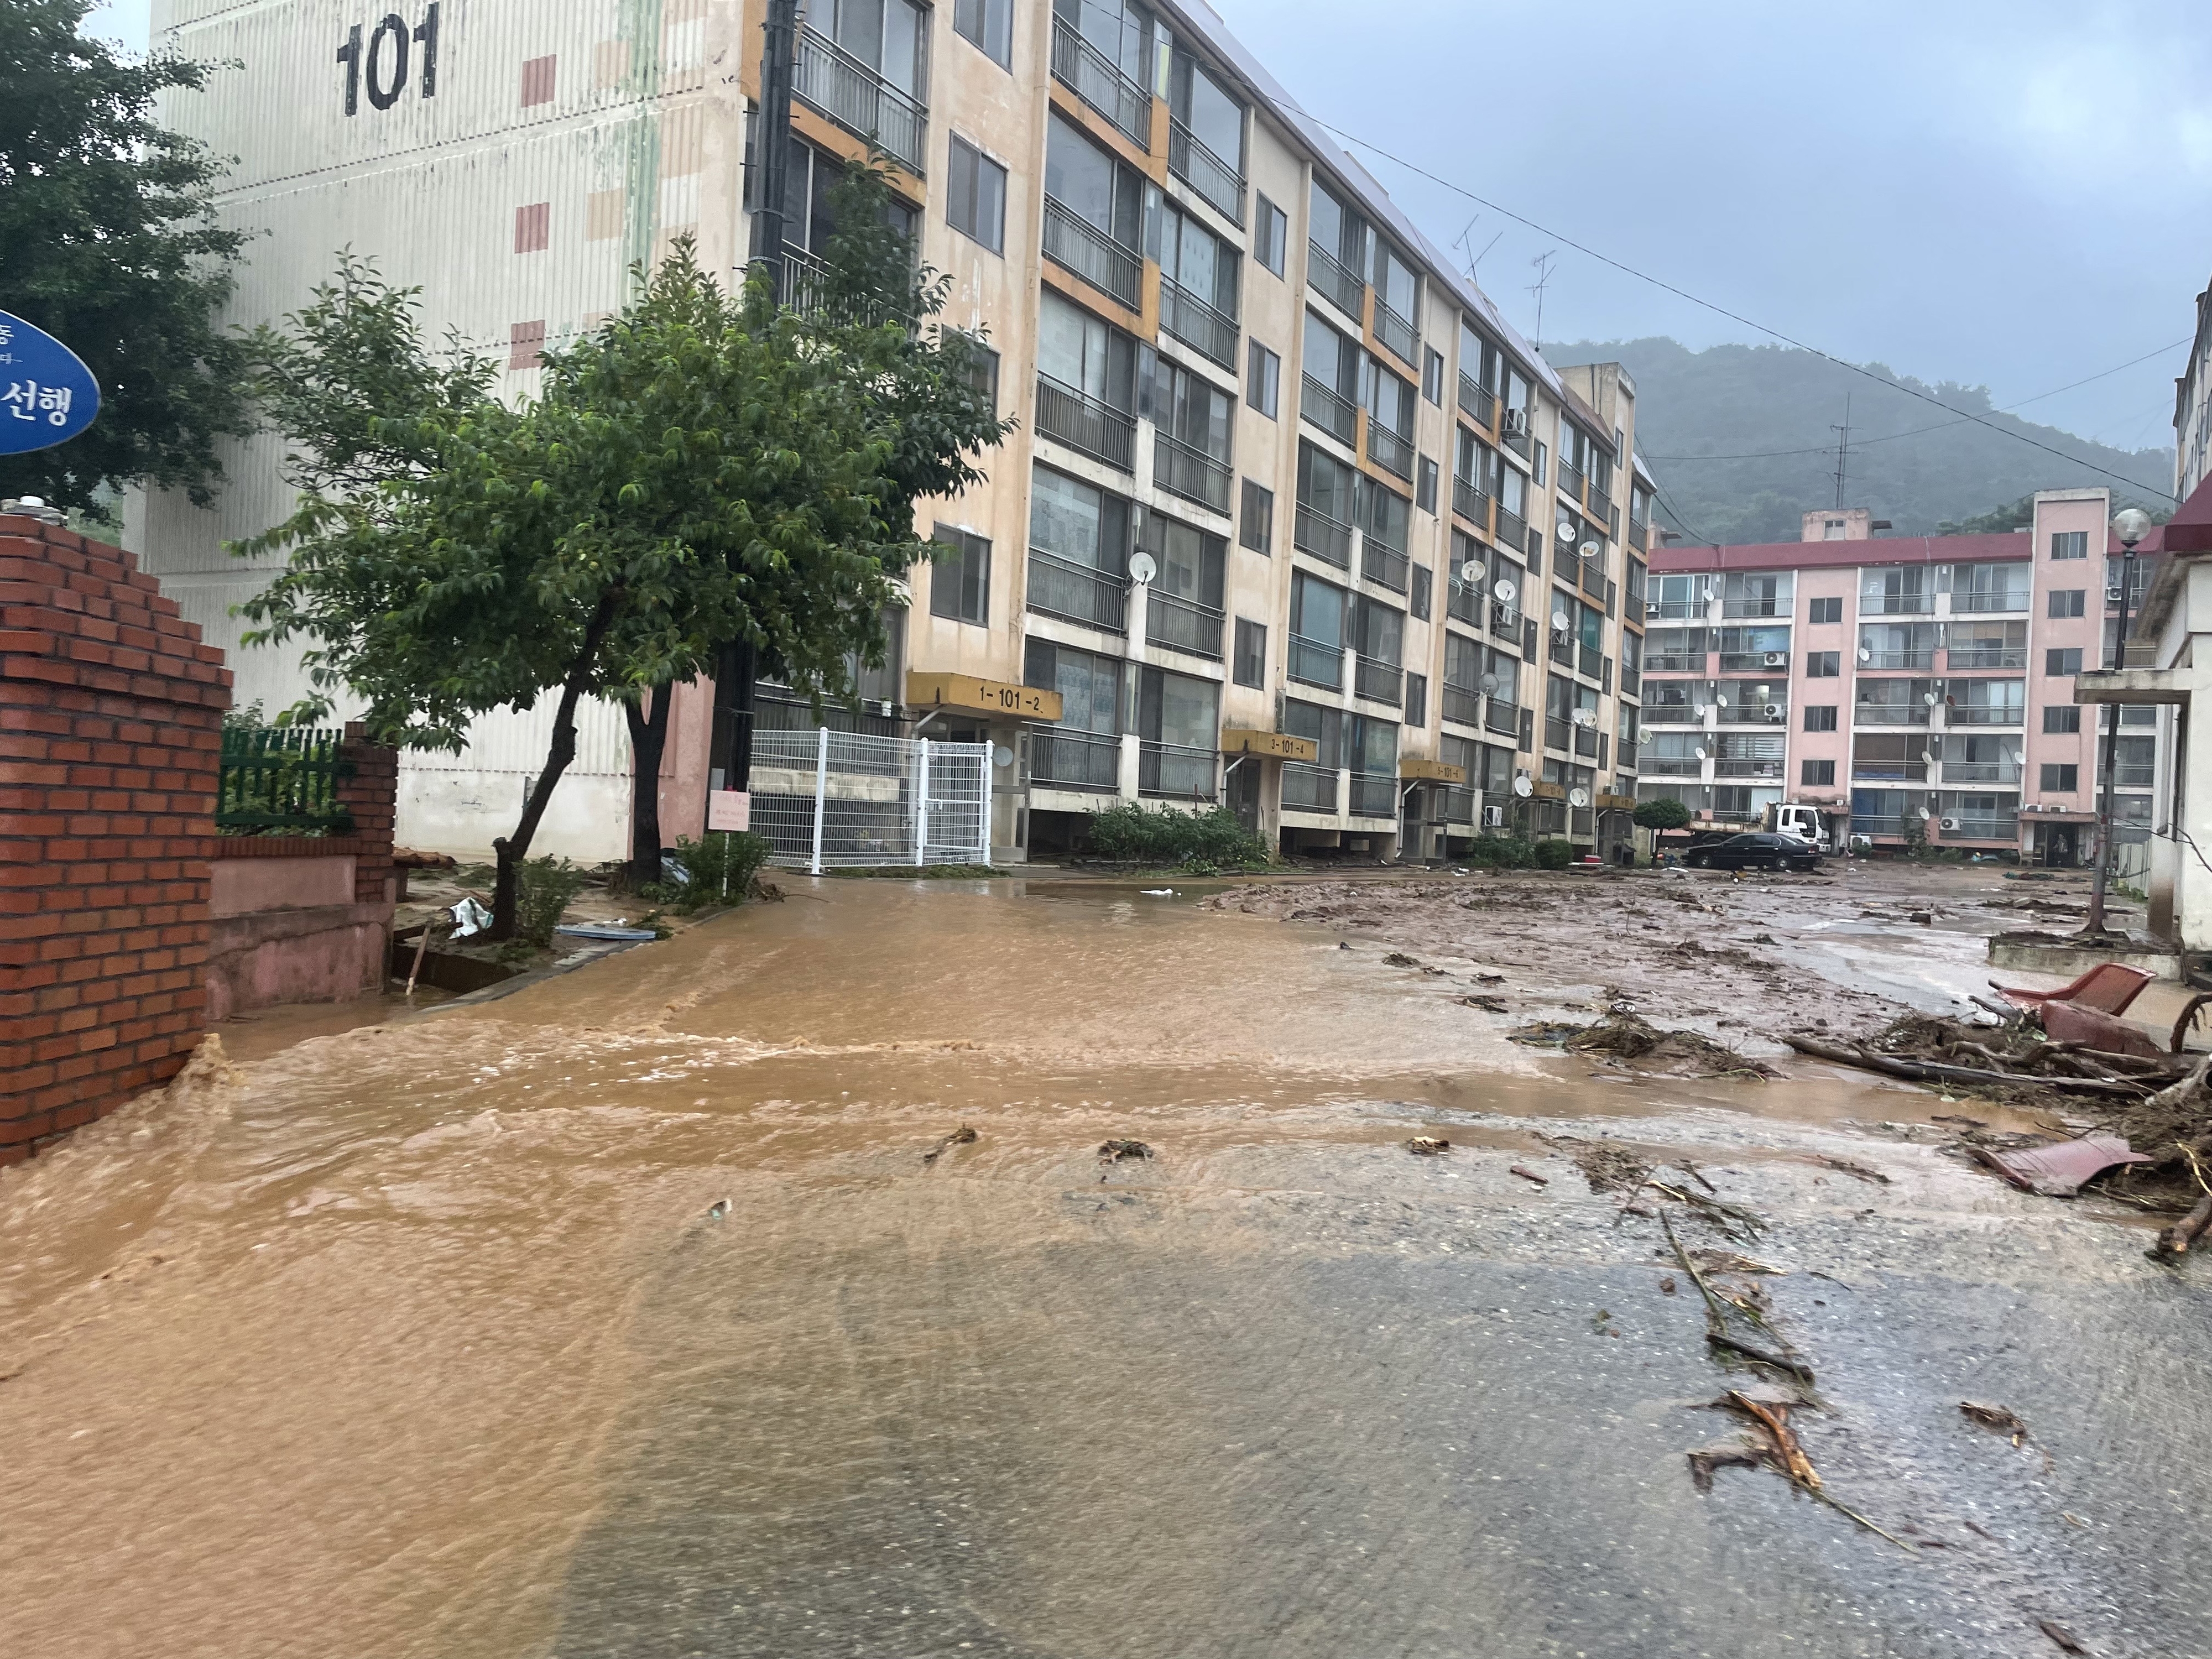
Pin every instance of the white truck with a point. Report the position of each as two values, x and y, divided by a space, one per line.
1800 821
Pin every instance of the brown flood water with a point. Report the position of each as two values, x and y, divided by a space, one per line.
421 1338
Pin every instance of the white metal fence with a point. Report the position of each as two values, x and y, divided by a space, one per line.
828 798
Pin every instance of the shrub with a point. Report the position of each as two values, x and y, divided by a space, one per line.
1554 855
722 870
1664 812
1130 833
546 887
1501 853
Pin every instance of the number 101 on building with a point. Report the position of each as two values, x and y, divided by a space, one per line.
382 64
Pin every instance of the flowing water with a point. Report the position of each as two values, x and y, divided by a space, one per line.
625 1315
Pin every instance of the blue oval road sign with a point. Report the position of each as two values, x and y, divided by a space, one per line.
47 396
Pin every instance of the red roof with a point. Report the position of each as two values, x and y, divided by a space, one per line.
2189 530
1829 556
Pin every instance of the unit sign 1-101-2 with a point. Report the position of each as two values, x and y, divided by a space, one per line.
383 64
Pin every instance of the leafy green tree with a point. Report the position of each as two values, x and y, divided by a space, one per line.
1662 813
108 241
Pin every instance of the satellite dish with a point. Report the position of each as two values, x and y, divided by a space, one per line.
1142 568
1700 710
1489 685
2012 757
1928 756
1566 528
1584 717
1559 620
1928 698
1700 751
1722 701
1866 654
1504 591
1590 549
1522 788
1470 572
1001 757
1578 798
1925 815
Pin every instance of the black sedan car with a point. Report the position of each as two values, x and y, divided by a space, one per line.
1756 851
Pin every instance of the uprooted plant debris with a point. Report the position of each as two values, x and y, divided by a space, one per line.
1628 1037
963 1136
1995 1417
1428 1145
1114 1152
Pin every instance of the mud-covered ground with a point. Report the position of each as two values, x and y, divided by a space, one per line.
1741 959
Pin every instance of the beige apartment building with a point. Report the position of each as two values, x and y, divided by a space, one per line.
1292 521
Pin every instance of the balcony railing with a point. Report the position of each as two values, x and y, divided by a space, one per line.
1624 755
1753 662
1189 472
1397 333
1329 409
1206 330
1378 681
1600 505
1082 422
2010 598
1076 592
2127 776
1593 577
1379 561
1992 657
1374 796
1216 182
1761 606
1326 274
1589 659
1632 681
1897 605
1890 714
1506 623
1327 539
1451 803
1878 826
1983 715
1729 768
1518 443
1464 600
1072 241
1571 484
1176 773
1098 81
1182 624
1470 504
1674 662
1889 660
1462 706
860 100
1479 402
1388 450
1501 717
1980 772
1076 760
1636 535
1982 829
1675 766
1558 733
1889 771
1672 714
1754 713
1512 529
1313 662
1586 740
1308 788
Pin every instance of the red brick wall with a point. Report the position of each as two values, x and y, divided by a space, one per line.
371 794
111 734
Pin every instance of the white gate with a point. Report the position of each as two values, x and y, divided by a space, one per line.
828 798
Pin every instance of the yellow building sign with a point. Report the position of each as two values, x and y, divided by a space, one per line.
1616 803
986 696
1549 791
1429 771
1237 740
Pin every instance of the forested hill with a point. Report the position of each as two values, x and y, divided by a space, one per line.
1743 404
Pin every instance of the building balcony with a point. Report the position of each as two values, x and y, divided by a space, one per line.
1470 504
1674 766
1512 529
1754 713
1972 605
1462 705
1889 771
1308 788
1082 423
1451 803
1892 827
1558 733
1088 761
1098 81
1572 484
1076 592
1601 507
1625 754
1378 681
1755 608
1074 242
1397 334
1631 682
1983 715
1983 828
1329 409
1313 662
1889 714
1871 659
1182 625
1897 605
1981 772
1506 623
1674 662
1206 330
1726 767
1636 536
1327 539
1325 274
1590 576
1191 473
1962 661
1754 662
1672 714
1390 450
1480 404
1170 771
1217 184
1379 561
1587 740
855 97
1502 718
1374 796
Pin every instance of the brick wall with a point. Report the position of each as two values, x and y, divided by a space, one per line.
371 793
111 734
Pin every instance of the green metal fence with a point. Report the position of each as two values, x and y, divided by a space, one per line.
281 780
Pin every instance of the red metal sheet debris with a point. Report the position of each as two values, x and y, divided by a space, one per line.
2072 1022
2058 1172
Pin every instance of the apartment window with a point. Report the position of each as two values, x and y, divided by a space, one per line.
1263 387
1416 699
2059 661
1542 458
982 365
2061 778
1420 597
975 196
1832 530
1249 665
1424 488
2070 545
2067 601
1819 717
1432 375
960 579
2062 718
1255 526
1271 234
1823 665
1824 611
1818 775
989 24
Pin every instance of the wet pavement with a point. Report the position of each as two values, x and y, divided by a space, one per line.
425 1338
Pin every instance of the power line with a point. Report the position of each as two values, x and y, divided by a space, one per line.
1719 310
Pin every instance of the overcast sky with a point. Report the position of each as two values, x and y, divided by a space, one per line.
2013 193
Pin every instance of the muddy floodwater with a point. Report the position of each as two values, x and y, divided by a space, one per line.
625 1315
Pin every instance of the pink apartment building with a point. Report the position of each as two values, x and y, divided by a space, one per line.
1903 684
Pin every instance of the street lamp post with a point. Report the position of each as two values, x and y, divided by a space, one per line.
2131 525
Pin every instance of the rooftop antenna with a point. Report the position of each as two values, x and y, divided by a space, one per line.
1842 450
1543 265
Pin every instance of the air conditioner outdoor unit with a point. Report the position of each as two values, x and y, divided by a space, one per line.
1775 711
1515 423
1778 660
1950 823
1493 818
2111 596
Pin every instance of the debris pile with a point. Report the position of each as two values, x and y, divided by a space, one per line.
1628 1037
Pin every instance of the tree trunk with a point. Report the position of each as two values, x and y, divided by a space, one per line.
649 742
511 850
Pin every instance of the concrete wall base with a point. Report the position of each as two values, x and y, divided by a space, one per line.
316 953
2072 961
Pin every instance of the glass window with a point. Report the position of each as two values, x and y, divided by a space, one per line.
2067 602
1422 596
1249 665
2061 778
1086 180
2060 661
1085 354
1089 685
960 581
2069 543
1325 726
1271 234
1424 488
1205 108
2062 717
1824 611
1077 521
1823 665
1432 374
1263 379
1416 699
1255 524
975 196
1820 773
1179 709
1317 611
989 24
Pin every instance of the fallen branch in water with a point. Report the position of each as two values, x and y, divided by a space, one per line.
1783 1362
1926 1071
